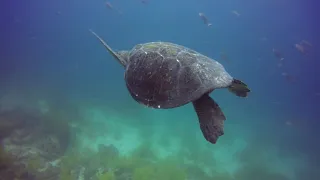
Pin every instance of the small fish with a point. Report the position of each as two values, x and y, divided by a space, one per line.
304 42
205 19
277 54
144 1
304 47
276 102
109 5
288 123
263 39
301 49
289 77
224 57
235 13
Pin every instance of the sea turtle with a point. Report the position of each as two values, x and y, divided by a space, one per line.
166 75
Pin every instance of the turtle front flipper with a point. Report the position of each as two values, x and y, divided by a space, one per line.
239 88
113 53
211 118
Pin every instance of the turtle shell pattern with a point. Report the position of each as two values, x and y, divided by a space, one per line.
166 75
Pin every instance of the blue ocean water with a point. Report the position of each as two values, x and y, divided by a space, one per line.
52 66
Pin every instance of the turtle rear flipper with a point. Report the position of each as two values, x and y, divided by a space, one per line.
239 88
211 118
112 52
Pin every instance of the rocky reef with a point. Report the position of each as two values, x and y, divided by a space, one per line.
45 144
38 145
30 144
108 164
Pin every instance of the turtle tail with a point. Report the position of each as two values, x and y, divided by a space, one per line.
239 88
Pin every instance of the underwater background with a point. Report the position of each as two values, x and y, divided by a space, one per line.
66 114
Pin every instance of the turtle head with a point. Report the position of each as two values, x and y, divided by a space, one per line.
117 56
239 88
124 55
